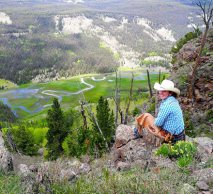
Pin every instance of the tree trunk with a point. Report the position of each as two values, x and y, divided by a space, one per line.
96 122
116 99
149 83
83 115
197 64
159 77
129 100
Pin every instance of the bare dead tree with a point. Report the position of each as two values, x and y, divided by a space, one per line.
149 83
129 99
159 77
206 8
156 94
95 120
123 117
117 102
83 115
117 99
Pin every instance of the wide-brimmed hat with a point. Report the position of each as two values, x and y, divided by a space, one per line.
167 85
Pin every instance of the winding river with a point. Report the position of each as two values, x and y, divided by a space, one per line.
44 95
29 92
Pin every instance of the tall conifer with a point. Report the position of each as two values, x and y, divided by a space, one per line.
57 131
105 121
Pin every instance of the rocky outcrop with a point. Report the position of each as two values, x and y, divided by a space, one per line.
40 176
6 161
200 108
206 143
128 150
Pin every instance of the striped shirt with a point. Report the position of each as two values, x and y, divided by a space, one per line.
170 116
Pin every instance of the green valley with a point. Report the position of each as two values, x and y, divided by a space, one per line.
33 100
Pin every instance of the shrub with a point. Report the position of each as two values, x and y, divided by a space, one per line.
209 116
39 134
184 40
136 111
189 126
23 140
183 151
79 142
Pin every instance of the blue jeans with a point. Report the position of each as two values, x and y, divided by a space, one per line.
136 134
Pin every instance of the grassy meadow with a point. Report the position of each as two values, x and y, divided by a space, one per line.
28 100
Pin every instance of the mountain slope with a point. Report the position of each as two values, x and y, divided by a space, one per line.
199 112
60 38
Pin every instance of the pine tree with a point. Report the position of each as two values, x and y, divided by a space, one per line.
105 121
23 140
57 131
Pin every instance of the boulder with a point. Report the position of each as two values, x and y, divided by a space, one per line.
84 168
202 185
123 135
130 150
189 55
68 175
24 170
27 178
206 143
122 166
6 161
205 174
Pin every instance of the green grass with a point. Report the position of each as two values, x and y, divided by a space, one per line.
132 181
104 88
69 85
10 184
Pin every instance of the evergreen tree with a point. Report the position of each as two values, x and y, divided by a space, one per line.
23 140
57 131
105 121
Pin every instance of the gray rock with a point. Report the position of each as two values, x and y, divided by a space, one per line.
187 189
27 178
6 160
123 135
207 192
203 174
41 151
68 175
163 162
202 185
84 168
23 170
122 166
134 150
206 143
33 168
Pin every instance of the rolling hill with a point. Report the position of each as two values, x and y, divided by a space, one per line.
43 40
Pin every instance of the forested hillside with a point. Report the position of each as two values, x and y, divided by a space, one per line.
46 40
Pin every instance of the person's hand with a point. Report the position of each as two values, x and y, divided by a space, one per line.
152 128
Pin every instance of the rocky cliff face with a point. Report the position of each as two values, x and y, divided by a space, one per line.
199 111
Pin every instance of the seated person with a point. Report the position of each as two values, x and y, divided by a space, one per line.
169 122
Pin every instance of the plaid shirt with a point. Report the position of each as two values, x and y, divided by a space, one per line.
170 116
